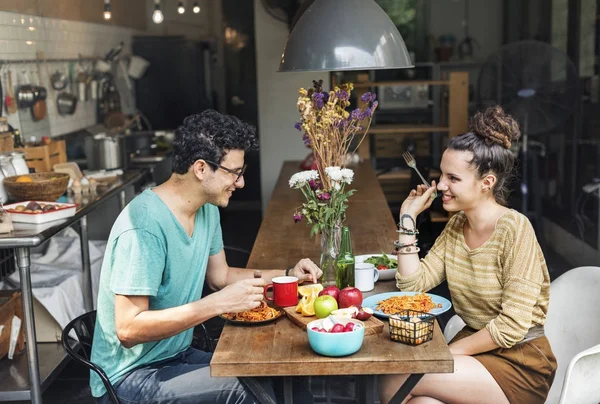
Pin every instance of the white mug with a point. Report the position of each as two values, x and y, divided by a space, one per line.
365 276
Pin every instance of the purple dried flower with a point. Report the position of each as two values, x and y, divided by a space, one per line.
313 184
368 112
306 139
297 217
298 126
375 104
318 99
342 95
324 196
366 97
356 114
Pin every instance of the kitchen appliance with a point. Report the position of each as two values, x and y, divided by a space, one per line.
404 97
103 151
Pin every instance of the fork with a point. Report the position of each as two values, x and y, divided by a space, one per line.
411 162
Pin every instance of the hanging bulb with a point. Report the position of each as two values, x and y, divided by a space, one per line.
180 8
107 13
196 8
157 15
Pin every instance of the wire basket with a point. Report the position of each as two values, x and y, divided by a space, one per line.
411 327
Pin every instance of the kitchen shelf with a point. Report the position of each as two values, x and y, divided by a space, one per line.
14 373
405 128
367 84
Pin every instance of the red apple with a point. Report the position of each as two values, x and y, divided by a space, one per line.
338 328
332 291
350 296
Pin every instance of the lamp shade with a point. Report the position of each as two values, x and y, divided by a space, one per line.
336 35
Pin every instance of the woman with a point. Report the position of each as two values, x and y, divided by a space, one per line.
495 270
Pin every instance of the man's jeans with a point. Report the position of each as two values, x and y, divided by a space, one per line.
184 379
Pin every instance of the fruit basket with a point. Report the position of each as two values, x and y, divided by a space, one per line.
411 327
37 187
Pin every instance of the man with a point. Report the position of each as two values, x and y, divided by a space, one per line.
162 247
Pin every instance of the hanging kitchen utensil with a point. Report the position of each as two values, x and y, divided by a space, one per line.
66 103
11 103
58 80
39 109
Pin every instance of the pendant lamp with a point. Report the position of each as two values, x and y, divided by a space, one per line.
337 35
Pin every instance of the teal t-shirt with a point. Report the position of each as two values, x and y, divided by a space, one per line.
150 254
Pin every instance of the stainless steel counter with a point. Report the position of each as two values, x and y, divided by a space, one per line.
25 379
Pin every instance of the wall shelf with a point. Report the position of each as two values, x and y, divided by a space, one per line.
405 128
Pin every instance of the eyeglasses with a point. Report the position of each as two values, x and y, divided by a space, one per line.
238 174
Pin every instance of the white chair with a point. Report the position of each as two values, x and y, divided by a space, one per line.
573 329
454 325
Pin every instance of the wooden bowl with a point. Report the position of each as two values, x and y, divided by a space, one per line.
46 187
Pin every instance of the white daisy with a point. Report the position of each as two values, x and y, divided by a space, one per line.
300 179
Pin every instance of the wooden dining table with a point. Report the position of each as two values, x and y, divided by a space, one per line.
281 348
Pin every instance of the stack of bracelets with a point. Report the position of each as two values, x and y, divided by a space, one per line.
410 247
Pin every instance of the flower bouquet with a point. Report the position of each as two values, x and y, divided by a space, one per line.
329 130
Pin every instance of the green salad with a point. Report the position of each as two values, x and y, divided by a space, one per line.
382 262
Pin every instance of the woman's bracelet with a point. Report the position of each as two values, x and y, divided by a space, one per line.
408 232
409 250
287 271
409 217
399 245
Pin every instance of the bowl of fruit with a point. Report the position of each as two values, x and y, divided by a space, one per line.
37 187
335 336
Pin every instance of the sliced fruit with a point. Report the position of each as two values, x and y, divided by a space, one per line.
299 306
308 310
349 312
307 290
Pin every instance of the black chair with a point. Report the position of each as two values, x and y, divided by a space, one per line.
81 350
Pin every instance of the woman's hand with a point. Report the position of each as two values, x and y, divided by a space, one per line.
418 200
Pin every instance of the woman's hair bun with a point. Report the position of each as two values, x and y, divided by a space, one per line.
495 126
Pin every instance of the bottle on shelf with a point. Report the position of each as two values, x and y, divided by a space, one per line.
17 141
345 261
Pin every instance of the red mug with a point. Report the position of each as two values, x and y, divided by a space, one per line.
285 291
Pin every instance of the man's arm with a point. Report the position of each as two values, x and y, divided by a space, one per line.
136 324
219 274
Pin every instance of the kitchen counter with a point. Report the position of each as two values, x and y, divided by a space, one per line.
25 377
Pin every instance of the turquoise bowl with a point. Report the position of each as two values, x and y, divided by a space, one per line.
336 344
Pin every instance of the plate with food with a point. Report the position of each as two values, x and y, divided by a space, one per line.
386 264
386 304
263 314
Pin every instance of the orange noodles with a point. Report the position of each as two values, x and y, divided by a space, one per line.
260 313
418 302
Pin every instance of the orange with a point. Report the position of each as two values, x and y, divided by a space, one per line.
24 178
309 289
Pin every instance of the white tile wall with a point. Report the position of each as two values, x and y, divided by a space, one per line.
22 36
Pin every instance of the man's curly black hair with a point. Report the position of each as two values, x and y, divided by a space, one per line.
209 136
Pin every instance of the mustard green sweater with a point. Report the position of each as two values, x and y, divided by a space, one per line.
502 285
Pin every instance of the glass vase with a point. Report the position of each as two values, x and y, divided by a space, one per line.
330 249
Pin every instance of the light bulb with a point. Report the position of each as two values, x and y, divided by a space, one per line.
157 16
107 13
180 8
196 8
